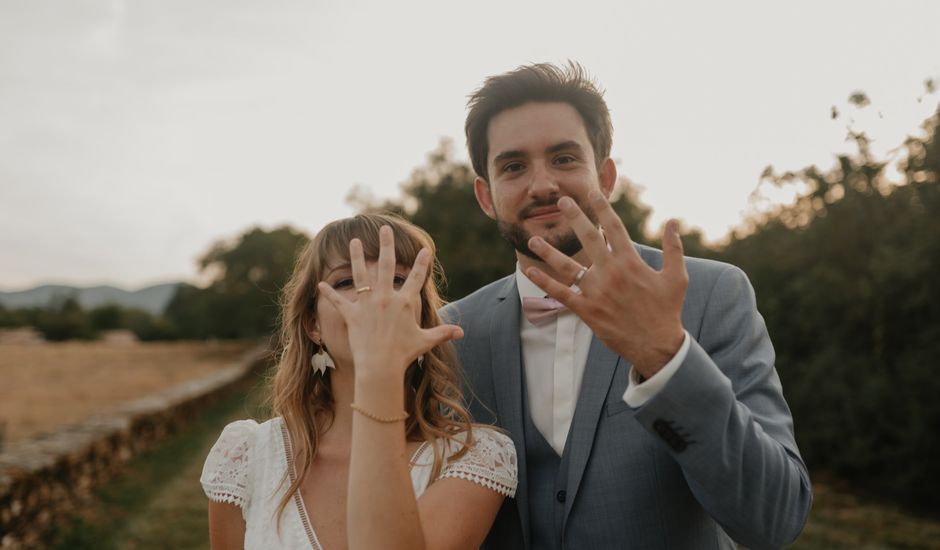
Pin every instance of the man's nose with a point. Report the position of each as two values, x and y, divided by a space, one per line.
543 181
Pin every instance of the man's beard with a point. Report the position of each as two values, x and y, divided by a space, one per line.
567 243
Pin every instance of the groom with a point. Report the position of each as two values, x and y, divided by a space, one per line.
638 385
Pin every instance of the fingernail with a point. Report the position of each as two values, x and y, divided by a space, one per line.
595 195
565 203
535 243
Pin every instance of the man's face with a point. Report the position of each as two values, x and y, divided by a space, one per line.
538 153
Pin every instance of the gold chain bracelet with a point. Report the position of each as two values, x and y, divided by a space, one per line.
386 419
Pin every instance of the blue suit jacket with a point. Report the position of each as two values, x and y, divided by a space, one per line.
711 455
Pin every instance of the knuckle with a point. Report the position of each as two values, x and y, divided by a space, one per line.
618 275
592 310
684 281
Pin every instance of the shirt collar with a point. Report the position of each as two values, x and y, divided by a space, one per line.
527 289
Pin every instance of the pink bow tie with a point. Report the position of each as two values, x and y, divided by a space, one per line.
540 310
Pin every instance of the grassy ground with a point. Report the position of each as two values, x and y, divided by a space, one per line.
841 519
158 502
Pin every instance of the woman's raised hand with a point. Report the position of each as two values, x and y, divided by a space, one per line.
383 321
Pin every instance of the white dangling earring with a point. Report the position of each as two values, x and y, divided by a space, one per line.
321 360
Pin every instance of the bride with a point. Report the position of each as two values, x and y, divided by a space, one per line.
371 446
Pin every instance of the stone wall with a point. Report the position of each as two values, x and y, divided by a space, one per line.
45 478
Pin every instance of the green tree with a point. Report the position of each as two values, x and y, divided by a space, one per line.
846 278
248 274
146 326
64 319
11 318
107 317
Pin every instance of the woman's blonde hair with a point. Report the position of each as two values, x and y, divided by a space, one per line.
304 397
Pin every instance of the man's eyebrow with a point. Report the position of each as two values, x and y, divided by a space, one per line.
566 146
506 155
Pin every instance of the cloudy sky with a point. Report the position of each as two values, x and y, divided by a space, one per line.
134 134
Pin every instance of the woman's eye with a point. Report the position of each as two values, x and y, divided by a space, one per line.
398 281
343 283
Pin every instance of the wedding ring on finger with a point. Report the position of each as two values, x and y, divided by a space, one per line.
362 289
577 279
580 275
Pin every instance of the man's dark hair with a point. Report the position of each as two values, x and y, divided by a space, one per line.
541 82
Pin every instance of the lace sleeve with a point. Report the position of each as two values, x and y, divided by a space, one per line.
225 474
490 461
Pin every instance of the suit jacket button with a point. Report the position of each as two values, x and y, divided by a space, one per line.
560 496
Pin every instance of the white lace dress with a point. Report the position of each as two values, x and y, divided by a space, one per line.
247 463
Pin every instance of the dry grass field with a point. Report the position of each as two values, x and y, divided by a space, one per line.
44 387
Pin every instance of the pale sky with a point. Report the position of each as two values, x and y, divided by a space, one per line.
135 134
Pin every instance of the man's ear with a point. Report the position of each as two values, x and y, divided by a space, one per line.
484 197
608 177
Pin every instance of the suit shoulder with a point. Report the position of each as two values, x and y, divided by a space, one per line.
477 300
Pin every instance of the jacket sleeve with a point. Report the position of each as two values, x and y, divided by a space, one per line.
723 418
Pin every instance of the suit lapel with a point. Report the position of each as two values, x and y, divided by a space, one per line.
506 363
598 374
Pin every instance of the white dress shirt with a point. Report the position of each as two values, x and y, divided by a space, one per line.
554 355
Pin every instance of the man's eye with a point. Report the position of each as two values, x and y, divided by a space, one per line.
343 283
513 167
564 159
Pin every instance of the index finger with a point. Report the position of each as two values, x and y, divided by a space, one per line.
616 233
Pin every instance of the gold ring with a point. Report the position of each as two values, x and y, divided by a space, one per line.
362 289
579 276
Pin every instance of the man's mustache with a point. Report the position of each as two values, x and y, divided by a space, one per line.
549 202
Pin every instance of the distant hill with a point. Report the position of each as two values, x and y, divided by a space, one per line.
153 299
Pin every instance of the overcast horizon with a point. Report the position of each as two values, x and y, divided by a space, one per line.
134 135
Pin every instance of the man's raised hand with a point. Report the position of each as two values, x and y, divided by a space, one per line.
634 309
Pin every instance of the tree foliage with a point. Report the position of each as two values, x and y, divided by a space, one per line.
247 277
846 278
64 319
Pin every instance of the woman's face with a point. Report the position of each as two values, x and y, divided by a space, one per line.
329 327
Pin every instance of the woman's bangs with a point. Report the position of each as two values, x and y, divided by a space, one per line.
335 238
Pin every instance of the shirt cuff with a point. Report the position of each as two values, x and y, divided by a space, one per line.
638 393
